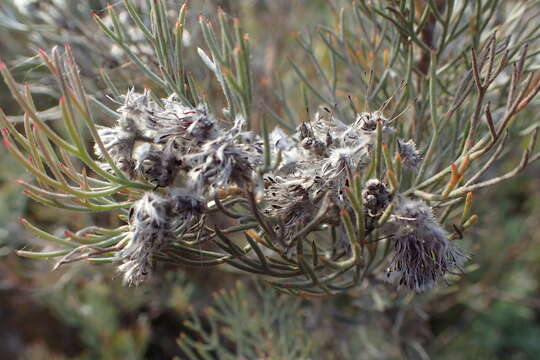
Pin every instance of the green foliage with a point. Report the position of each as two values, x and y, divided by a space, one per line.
260 324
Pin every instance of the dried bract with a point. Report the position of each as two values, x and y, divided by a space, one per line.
376 197
410 157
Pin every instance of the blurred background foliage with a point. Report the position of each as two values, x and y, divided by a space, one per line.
81 312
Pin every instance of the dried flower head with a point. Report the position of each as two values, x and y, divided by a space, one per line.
376 197
410 157
423 253
158 167
153 122
336 170
311 142
184 205
367 121
224 161
293 201
192 125
150 231
289 200
312 168
151 138
152 224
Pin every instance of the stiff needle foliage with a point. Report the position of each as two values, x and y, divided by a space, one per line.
243 323
409 104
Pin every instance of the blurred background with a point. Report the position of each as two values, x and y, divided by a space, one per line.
82 311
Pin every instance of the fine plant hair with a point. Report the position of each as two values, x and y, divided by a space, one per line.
408 111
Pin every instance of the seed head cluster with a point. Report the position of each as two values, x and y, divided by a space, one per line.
189 157
183 150
318 159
